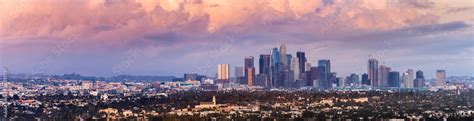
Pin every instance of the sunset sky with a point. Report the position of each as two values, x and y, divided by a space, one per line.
172 37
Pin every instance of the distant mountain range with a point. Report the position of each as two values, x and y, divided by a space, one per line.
75 76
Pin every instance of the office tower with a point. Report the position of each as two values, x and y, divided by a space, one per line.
312 76
288 78
295 66
404 80
249 62
301 60
372 71
249 70
275 67
419 74
393 79
383 76
333 79
250 74
222 73
275 57
283 57
323 77
440 77
409 82
419 82
340 82
193 76
325 73
261 80
264 64
239 71
354 79
288 60
365 79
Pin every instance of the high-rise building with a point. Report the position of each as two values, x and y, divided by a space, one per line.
250 75
383 76
239 71
324 69
283 57
419 74
354 79
301 60
249 62
393 79
404 80
222 73
419 82
372 71
340 82
274 67
409 82
365 79
275 57
333 80
440 77
249 70
312 76
264 64
288 61
295 66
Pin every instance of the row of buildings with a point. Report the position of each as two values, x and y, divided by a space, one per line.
278 69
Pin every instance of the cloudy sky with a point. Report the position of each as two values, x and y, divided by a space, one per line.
172 37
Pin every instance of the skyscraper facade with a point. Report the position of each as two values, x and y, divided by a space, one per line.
365 79
264 64
239 71
440 77
409 81
383 76
301 61
372 71
275 68
283 57
324 69
419 82
354 80
393 79
404 80
312 76
249 70
295 66
222 73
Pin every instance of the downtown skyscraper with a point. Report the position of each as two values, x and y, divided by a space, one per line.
264 64
249 70
383 76
440 77
324 74
372 71
222 73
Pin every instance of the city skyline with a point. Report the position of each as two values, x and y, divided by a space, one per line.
166 38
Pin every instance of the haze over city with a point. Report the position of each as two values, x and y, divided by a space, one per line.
145 37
